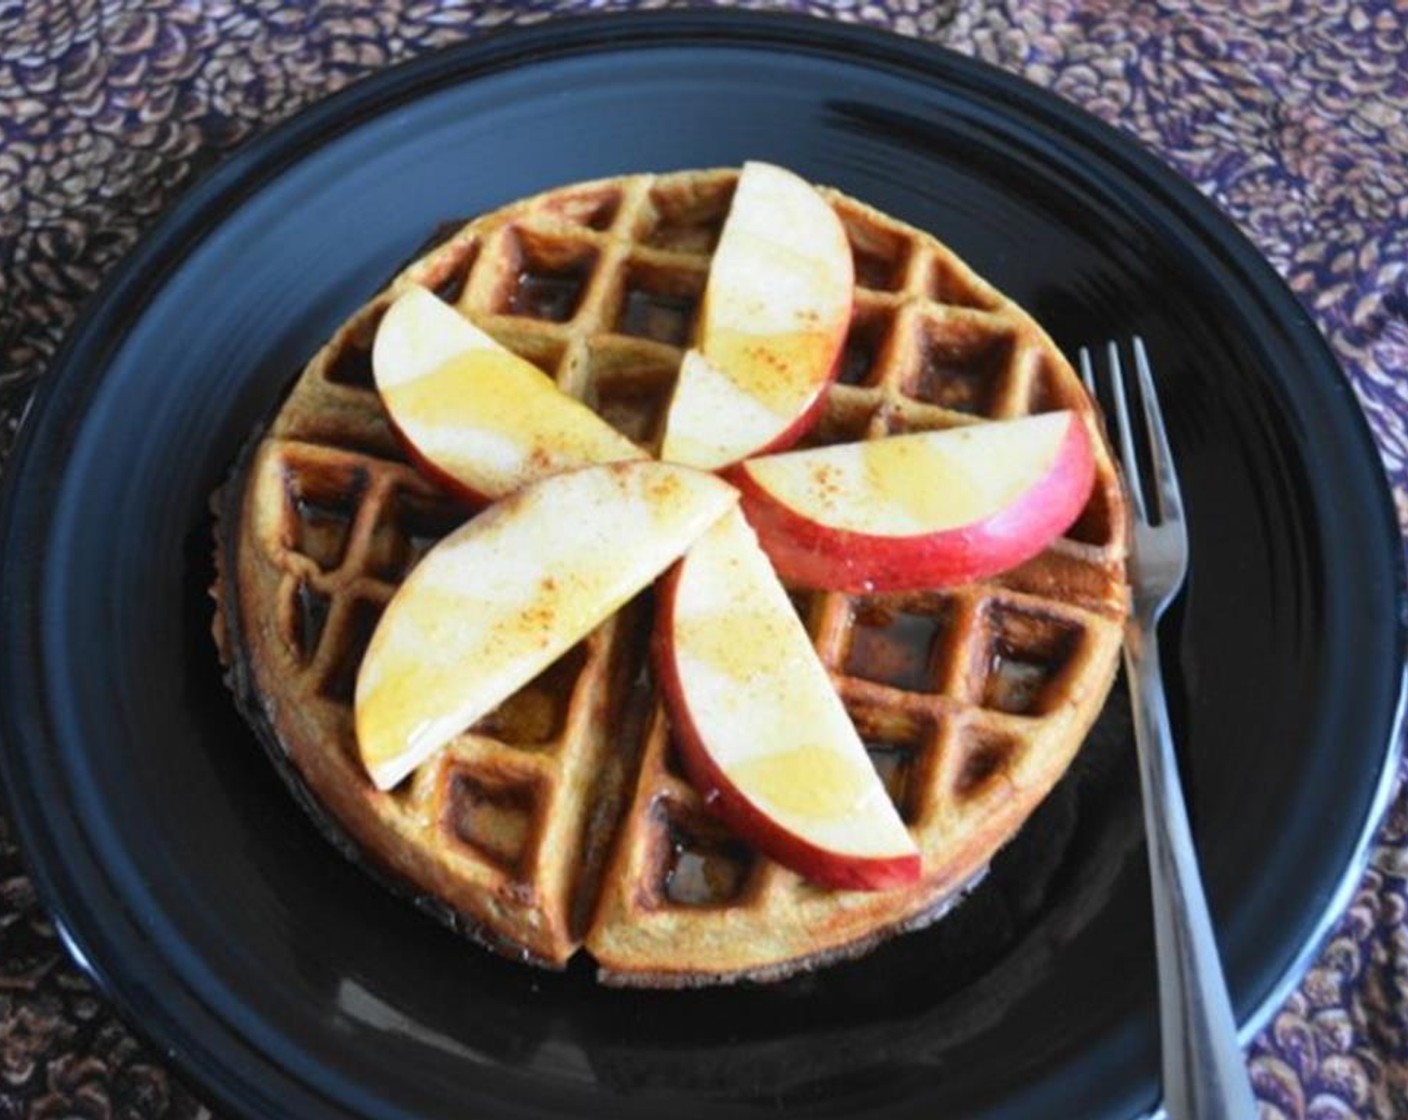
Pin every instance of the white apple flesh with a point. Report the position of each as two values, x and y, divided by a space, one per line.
775 312
502 597
760 729
476 417
931 509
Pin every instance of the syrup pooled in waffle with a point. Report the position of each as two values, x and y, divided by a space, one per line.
563 817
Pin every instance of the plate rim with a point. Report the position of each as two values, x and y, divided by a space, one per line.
118 303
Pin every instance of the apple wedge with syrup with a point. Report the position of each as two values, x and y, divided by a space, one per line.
506 594
761 731
776 307
476 417
925 510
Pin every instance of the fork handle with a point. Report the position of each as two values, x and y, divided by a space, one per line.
1204 1072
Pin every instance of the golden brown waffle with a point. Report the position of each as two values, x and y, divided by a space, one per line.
563 818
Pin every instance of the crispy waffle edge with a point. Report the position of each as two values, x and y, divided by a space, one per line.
938 909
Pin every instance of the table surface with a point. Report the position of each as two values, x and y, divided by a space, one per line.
1291 116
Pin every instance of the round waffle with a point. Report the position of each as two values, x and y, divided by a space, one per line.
563 819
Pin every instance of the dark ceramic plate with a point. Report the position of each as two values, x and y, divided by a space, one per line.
286 984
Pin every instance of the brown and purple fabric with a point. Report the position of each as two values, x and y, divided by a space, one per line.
1292 115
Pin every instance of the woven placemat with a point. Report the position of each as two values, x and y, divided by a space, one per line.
1292 117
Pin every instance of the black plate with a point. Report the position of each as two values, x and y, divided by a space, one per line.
287 985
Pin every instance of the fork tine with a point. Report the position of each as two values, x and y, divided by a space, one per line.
1127 455
1170 501
1087 374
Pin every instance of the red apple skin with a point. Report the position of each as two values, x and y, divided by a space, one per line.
838 332
472 499
808 417
724 799
811 554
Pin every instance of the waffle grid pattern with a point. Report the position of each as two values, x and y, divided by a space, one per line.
969 704
971 701
483 820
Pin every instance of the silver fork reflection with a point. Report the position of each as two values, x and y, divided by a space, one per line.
1204 1072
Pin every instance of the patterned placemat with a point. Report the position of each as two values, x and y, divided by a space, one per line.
1292 116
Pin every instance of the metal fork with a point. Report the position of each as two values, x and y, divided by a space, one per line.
1204 1072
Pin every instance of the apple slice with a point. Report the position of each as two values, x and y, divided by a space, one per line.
776 307
918 511
502 597
475 416
761 731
